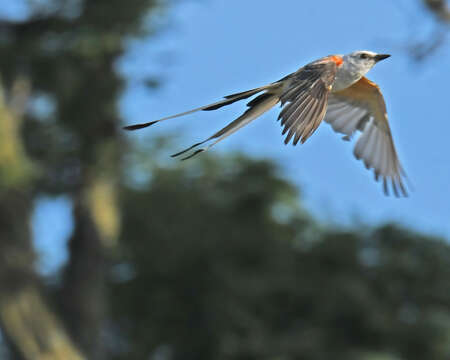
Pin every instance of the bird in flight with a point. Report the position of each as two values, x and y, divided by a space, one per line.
333 89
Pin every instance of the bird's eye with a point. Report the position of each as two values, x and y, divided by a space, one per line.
363 56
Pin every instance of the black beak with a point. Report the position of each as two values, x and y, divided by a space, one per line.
380 57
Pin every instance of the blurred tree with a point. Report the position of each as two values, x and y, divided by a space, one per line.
26 320
440 8
425 46
220 262
66 52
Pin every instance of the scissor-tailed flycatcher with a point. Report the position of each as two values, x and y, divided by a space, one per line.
332 88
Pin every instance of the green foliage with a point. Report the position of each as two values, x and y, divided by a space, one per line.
211 272
69 54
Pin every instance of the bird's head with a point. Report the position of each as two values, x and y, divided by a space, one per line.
362 61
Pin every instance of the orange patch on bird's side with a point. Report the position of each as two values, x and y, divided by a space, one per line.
337 59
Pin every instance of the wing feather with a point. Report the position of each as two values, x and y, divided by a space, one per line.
361 107
305 100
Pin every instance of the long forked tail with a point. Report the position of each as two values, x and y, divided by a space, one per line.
230 99
257 107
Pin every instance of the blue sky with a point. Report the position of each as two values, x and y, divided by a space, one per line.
211 48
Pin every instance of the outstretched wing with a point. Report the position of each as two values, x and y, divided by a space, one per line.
305 98
362 107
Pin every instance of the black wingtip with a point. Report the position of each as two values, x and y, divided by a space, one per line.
139 126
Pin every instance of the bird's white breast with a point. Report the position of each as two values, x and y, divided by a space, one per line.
345 77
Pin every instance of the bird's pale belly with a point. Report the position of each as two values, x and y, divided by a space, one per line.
344 79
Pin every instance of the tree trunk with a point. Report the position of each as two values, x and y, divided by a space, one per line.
83 297
28 324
